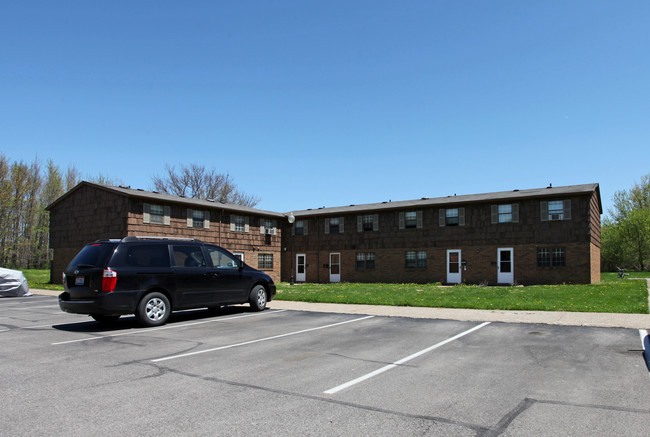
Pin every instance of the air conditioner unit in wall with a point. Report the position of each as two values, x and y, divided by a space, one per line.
271 231
556 216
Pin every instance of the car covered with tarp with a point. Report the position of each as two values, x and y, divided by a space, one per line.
13 283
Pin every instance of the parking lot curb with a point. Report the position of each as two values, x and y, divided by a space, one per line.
45 292
605 320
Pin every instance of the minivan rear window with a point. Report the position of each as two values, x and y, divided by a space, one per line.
93 255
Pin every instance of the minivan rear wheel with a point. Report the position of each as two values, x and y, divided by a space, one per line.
153 309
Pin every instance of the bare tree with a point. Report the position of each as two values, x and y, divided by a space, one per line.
72 178
5 207
197 182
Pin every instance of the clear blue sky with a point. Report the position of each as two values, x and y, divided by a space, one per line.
308 104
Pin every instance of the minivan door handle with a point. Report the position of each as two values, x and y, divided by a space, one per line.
212 275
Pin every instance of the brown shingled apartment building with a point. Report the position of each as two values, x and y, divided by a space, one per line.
538 236
90 212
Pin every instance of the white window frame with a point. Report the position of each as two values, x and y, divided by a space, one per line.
268 226
239 223
300 224
147 215
443 217
262 262
505 213
372 219
404 221
192 217
550 215
329 224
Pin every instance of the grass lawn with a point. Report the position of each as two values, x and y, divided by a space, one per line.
40 279
612 295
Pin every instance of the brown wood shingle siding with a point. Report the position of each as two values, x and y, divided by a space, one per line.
479 238
90 212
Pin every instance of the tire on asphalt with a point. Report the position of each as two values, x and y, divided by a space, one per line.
153 310
258 298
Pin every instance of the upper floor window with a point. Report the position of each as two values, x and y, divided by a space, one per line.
268 226
156 214
300 227
334 225
552 210
505 213
365 260
198 219
369 222
410 219
239 223
452 217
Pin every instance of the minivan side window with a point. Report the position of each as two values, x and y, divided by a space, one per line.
188 256
222 260
153 255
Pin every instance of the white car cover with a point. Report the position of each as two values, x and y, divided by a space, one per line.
13 283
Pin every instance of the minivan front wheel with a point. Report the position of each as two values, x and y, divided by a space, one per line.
258 298
153 309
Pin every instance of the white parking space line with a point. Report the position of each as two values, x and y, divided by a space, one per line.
28 307
145 330
260 340
643 333
26 327
27 303
402 361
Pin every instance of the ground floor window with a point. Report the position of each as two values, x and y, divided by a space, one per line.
265 261
553 257
416 259
365 260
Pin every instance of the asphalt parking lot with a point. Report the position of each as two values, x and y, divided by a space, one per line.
283 372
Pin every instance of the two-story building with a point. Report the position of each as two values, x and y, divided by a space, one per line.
90 212
538 236
547 235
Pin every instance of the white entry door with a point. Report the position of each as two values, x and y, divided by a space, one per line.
300 267
335 267
454 273
505 265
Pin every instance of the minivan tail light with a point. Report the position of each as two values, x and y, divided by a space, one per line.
109 280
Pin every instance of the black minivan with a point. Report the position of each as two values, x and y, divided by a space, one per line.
151 276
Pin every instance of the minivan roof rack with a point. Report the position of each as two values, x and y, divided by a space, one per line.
153 237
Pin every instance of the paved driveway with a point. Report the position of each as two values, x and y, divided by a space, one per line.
289 372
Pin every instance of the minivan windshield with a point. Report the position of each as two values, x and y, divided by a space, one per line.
93 255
